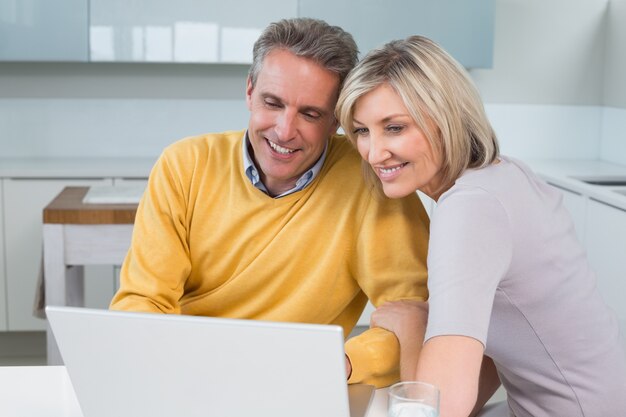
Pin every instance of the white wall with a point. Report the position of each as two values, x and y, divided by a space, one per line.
613 142
546 52
545 95
49 110
615 64
122 80
547 131
613 138
109 127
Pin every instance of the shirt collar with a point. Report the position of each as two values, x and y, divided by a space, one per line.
252 171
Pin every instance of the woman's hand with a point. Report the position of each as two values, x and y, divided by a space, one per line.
407 319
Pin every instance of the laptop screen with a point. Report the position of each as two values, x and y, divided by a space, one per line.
140 364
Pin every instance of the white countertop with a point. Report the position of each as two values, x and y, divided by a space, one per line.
46 391
559 172
37 391
75 167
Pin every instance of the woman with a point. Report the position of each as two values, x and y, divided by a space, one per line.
512 297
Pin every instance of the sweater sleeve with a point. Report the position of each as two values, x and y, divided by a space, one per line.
389 264
157 265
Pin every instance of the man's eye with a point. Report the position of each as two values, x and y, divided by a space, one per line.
272 104
312 116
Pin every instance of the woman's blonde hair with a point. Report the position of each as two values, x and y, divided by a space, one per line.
438 94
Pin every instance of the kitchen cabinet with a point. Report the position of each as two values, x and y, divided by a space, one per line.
602 230
464 28
213 31
605 239
24 200
43 30
182 31
3 305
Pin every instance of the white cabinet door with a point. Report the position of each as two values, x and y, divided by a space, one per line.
43 30
576 204
3 299
181 31
606 247
464 28
25 200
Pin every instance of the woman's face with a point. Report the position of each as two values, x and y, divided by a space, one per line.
389 139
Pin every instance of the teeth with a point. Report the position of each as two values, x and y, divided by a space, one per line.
390 170
279 148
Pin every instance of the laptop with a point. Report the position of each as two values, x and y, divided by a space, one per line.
140 364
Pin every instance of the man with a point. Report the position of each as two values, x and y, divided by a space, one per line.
276 222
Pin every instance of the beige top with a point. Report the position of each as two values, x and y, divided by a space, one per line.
506 268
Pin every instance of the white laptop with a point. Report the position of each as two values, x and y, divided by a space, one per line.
137 364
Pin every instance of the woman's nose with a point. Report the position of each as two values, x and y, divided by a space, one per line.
377 151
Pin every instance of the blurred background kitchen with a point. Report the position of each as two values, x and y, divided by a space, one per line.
91 91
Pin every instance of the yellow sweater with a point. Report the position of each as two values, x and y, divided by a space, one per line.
207 242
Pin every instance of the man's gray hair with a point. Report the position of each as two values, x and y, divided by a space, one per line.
329 46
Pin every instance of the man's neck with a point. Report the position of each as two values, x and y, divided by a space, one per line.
275 188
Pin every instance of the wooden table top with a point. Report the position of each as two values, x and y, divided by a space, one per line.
68 208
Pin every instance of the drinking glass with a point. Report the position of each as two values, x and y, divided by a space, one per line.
413 399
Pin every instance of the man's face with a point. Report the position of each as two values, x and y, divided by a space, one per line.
291 117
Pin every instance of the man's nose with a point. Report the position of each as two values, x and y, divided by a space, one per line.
286 125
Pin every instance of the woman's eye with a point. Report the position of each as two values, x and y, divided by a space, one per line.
360 131
395 128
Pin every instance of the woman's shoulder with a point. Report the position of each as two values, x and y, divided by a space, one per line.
505 179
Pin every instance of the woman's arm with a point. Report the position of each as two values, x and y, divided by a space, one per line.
456 364
453 364
488 384
407 320
470 253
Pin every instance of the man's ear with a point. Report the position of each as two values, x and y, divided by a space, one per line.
249 89
334 126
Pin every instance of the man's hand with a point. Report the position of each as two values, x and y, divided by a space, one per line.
348 367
